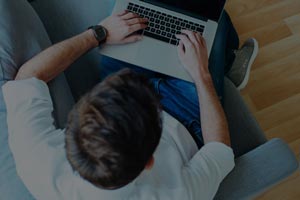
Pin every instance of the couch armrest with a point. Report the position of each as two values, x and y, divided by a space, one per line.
258 170
245 132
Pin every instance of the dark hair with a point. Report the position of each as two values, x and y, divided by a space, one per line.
114 130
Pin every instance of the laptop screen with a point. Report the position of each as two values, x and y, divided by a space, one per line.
209 9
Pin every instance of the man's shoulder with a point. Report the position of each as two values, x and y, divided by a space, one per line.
17 90
25 95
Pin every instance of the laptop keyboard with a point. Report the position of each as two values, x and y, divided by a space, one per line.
162 26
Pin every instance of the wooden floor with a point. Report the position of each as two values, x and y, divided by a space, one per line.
273 92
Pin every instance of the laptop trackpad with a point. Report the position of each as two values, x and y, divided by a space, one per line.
160 57
127 53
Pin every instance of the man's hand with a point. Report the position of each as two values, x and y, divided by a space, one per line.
120 27
193 55
192 52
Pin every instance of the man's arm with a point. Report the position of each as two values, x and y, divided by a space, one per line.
54 60
193 54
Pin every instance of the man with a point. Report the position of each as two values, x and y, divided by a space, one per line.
114 146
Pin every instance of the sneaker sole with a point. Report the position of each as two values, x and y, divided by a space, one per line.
247 76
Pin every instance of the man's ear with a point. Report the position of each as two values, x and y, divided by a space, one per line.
150 163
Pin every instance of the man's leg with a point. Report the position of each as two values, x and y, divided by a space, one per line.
239 62
222 53
232 44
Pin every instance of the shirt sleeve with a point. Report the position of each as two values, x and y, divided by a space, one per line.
35 143
206 170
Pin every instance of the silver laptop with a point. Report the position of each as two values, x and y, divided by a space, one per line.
158 50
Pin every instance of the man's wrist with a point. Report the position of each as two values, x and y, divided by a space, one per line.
202 74
203 79
91 38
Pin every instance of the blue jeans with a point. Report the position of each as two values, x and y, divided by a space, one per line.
179 98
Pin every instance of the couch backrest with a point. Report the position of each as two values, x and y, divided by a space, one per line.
19 41
22 35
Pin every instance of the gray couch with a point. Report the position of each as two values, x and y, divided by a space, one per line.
25 31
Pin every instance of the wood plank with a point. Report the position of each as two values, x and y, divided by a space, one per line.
288 131
265 35
295 146
287 190
293 23
278 50
276 67
237 8
270 85
279 113
269 14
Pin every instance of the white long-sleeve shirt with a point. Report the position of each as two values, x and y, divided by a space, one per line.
180 172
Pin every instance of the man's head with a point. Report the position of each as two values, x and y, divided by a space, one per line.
114 130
